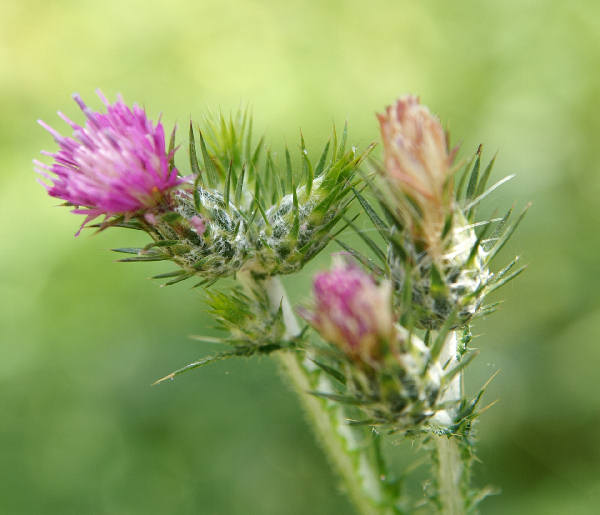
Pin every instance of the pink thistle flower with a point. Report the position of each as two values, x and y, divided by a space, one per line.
417 160
116 164
351 311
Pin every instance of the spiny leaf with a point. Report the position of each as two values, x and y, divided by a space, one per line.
503 281
240 185
474 175
373 216
336 374
178 279
463 177
306 165
448 376
193 156
228 185
507 234
211 170
128 250
200 363
440 339
370 243
288 169
344 139
321 164
171 150
166 275
480 197
485 176
344 399
365 261
162 243
143 258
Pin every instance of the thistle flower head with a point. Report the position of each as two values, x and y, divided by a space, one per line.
116 164
419 165
351 311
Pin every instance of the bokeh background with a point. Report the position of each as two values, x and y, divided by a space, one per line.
81 338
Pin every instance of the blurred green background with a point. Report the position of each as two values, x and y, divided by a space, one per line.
81 338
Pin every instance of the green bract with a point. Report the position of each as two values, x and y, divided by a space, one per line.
261 213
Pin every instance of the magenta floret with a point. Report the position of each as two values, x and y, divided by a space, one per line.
117 164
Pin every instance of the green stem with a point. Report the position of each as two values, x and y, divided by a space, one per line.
450 469
349 450
450 473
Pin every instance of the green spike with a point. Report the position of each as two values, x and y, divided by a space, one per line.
343 399
362 259
373 216
288 169
142 258
177 280
129 250
474 175
370 243
507 234
199 363
463 177
321 164
296 222
240 185
258 150
440 339
334 151
306 166
171 150
344 139
228 186
336 374
466 360
470 206
193 156
471 259
211 170
501 282
166 275
486 175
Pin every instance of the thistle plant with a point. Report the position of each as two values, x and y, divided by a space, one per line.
386 339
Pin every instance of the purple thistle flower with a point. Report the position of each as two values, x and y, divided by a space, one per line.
350 310
116 165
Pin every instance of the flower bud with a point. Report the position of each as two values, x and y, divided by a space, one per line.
351 311
115 165
419 166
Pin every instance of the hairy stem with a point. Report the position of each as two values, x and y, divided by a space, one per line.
350 450
450 470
